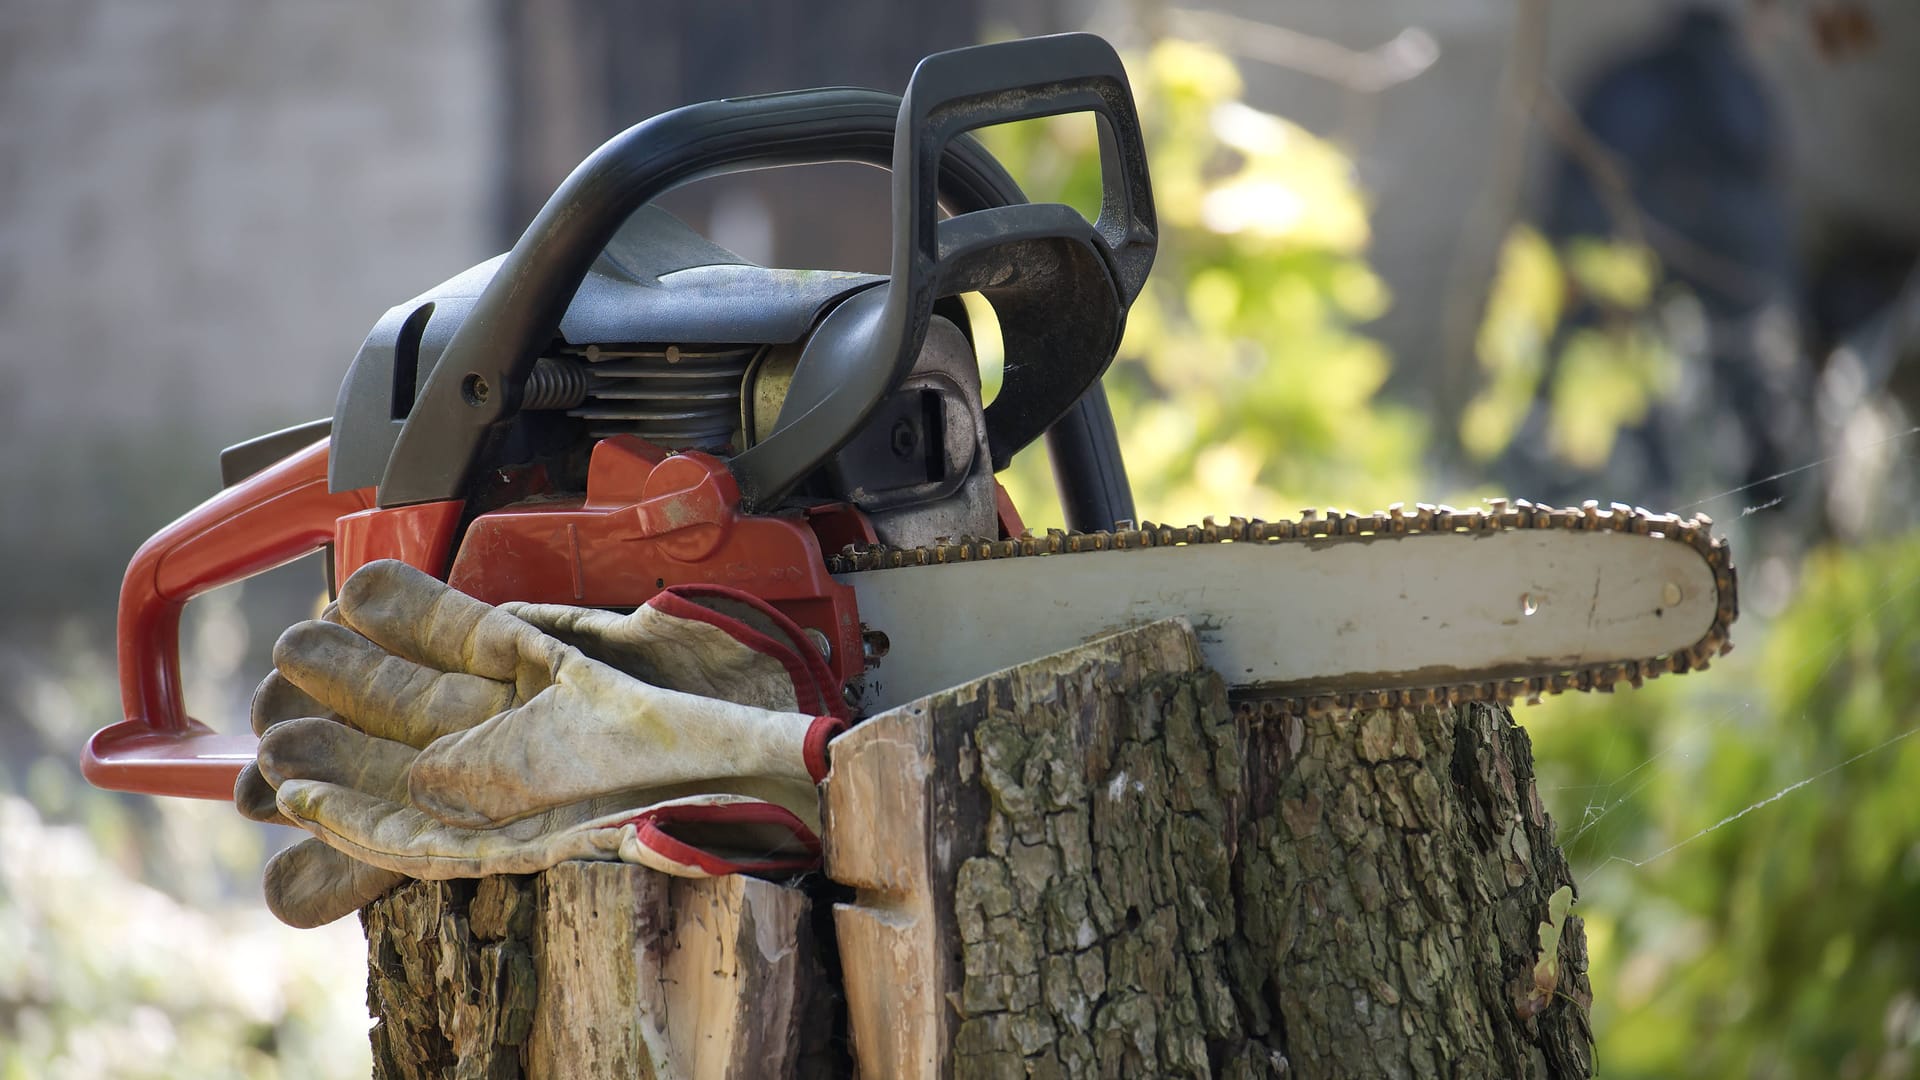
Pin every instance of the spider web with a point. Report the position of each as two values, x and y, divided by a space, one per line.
1595 836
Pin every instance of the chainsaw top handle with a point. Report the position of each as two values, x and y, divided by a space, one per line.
1060 285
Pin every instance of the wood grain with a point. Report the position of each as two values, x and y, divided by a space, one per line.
594 969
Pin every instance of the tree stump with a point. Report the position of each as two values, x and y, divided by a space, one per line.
1094 864
595 970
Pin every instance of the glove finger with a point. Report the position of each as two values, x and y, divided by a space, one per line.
606 636
278 699
723 659
402 839
311 884
597 731
690 656
315 749
253 796
586 629
275 701
421 618
694 658
381 693
701 639
774 648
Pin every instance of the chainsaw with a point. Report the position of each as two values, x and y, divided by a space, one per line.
617 406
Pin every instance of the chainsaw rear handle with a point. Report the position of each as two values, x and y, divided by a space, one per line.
1059 285
476 385
273 517
952 93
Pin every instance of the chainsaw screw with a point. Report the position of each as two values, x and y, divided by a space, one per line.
875 644
906 440
474 389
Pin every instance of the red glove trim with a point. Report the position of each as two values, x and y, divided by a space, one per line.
813 682
652 826
814 751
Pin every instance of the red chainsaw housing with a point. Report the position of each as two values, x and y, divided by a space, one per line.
648 520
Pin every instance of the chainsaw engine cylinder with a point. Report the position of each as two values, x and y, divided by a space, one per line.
678 398
555 383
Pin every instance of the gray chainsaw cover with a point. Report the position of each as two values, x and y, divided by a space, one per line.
657 282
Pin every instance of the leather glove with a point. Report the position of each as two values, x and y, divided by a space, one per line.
475 742
275 701
307 884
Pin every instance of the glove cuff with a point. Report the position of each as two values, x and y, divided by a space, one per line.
653 826
814 686
814 751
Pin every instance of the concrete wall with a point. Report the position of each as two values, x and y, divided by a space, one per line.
203 208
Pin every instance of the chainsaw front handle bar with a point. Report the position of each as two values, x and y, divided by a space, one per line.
273 517
476 386
952 93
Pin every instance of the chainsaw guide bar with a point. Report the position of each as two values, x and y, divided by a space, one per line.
1316 614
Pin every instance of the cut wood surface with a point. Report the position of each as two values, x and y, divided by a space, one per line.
1095 865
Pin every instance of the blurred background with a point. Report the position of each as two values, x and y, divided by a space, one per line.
1641 251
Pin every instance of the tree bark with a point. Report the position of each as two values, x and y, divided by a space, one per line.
1094 864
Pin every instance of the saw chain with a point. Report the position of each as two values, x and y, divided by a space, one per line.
1340 527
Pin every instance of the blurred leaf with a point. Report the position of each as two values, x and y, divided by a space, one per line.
1596 367
1606 383
1546 967
1617 274
103 976
1779 937
1242 385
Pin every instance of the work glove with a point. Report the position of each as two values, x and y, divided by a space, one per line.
441 737
306 884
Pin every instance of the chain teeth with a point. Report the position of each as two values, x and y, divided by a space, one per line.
1397 520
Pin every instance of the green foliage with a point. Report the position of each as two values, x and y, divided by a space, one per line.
1783 942
103 976
1594 378
1242 385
